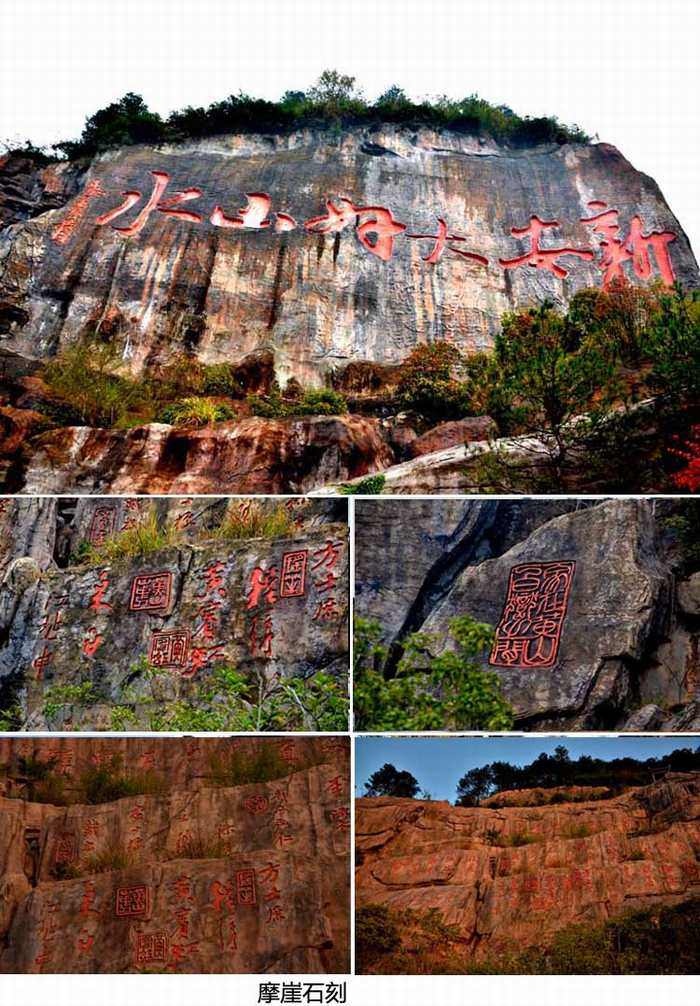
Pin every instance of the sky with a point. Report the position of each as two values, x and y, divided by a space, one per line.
439 762
626 70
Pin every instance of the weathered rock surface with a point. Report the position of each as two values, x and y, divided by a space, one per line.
250 456
453 434
316 300
621 643
583 862
272 608
191 874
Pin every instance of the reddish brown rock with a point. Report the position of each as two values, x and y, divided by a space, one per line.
192 873
454 434
251 456
512 877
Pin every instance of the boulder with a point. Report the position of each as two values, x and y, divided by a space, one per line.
454 434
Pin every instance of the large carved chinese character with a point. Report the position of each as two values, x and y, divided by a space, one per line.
151 591
530 627
132 901
634 248
169 649
293 576
542 258
151 948
102 524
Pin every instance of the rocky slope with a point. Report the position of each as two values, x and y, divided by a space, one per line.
614 646
272 608
297 256
512 877
192 873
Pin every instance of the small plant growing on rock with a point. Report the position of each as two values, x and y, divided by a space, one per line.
144 538
256 523
196 411
372 485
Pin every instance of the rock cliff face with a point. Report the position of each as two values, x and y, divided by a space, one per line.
229 245
584 598
273 608
512 877
192 873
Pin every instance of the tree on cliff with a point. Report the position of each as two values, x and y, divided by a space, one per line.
120 124
389 781
474 786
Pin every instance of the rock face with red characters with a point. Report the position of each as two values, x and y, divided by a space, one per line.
323 251
511 877
586 599
193 872
144 632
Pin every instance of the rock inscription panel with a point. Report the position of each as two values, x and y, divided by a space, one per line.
529 631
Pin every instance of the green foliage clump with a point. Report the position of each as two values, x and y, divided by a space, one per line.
258 522
376 934
142 539
312 402
111 781
196 411
264 763
405 941
686 526
389 781
371 485
58 696
449 691
334 101
429 382
86 388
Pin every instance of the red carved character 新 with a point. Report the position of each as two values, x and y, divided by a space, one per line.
530 627
634 248
293 576
151 591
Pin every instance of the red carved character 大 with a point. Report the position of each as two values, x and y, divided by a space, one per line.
542 258
151 948
102 525
443 240
245 887
293 576
635 248
529 631
132 901
151 591
169 649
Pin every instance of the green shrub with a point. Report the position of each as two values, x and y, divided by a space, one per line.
312 402
258 522
196 411
449 691
141 540
429 382
86 387
111 781
376 934
372 485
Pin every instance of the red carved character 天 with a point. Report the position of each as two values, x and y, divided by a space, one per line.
542 258
102 524
245 887
293 576
530 627
132 901
151 591
169 649
634 248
